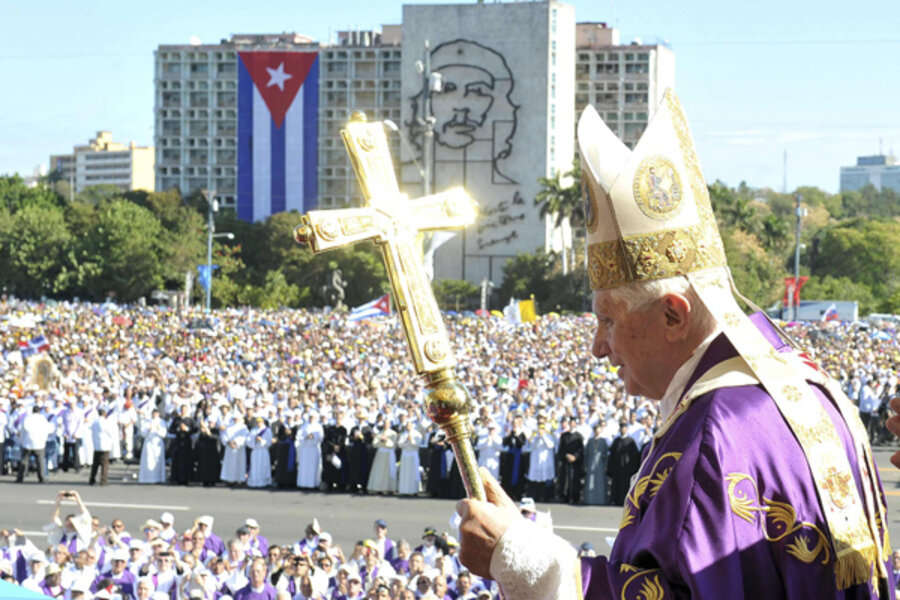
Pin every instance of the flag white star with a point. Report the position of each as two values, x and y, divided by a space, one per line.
278 77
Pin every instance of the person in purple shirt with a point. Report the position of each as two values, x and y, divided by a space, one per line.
213 542
50 585
124 579
257 540
760 482
259 587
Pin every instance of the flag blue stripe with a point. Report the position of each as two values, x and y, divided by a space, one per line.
310 93
245 144
277 191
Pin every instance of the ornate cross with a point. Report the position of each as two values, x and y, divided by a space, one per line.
393 222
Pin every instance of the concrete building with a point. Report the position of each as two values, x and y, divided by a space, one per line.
880 170
502 115
625 83
360 72
196 111
105 162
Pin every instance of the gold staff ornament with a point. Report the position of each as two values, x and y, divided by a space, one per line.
393 222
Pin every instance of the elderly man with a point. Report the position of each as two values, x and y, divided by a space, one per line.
760 482
258 588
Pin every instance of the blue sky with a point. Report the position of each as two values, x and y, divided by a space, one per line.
820 80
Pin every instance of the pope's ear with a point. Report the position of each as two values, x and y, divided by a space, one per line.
677 312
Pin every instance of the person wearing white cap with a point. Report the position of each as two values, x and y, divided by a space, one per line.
309 452
213 542
37 562
167 520
258 542
760 482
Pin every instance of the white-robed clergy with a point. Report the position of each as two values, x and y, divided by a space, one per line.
233 435
309 452
542 446
259 440
383 476
489 446
153 452
410 479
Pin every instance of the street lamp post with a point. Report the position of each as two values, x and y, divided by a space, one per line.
213 207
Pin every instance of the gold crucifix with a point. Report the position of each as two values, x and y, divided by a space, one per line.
394 222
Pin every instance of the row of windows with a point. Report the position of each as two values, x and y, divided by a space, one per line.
357 84
197 55
370 54
108 156
613 56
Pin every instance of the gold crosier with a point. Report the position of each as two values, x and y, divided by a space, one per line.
393 222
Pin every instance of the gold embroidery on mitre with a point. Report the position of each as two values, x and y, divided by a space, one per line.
657 188
653 256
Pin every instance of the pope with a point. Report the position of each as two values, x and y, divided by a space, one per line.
760 481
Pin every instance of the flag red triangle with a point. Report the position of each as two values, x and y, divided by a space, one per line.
384 304
278 77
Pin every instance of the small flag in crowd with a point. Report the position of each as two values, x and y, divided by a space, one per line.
831 313
203 275
376 308
37 344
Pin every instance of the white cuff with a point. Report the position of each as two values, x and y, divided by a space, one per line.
531 563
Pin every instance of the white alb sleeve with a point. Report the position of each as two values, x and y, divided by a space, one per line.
531 563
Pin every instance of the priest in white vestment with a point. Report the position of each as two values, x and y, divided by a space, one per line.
233 435
409 480
153 452
383 476
260 440
489 446
309 452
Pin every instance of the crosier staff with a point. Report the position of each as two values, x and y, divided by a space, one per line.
393 222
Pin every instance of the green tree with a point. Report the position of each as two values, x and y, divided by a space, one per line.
34 242
127 240
15 195
561 198
863 250
97 194
840 288
756 273
455 294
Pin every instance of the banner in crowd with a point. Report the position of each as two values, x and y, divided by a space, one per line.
37 344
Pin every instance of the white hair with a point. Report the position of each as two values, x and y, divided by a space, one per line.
640 294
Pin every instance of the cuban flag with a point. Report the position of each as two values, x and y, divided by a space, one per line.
278 105
376 308
831 313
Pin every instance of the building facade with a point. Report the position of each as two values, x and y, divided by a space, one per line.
105 162
625 83
880 170
198 120
198 99
502 116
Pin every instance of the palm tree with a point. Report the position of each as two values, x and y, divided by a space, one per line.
563 202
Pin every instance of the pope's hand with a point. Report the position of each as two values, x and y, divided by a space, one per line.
893 425
483 524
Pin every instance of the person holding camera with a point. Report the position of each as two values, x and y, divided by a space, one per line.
75 533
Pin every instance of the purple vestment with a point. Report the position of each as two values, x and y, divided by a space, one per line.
725 507
247 593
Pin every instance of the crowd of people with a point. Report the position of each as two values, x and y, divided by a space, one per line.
82 558
315 401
